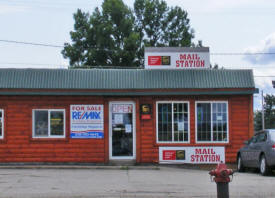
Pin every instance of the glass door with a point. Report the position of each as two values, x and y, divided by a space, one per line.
122 130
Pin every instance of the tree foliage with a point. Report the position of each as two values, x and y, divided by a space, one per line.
115 35
106 37
160 25
269 114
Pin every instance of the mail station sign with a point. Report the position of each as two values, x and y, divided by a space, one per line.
192 155
177 58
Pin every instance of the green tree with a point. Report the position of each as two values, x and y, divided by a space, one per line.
160 25
258 120
269 114
106 38
117 35
269 108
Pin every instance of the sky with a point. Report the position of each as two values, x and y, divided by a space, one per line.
233 27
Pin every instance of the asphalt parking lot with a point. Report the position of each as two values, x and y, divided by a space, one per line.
121 182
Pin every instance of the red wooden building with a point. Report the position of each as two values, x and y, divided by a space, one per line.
98 115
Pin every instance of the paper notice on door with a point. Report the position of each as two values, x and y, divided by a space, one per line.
219 118
118 119
128 128
180 126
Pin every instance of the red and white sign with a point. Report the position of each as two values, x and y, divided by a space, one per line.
169 155
191 155
177 60
154 60
146 116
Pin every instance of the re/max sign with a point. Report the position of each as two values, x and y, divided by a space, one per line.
87 113
92 115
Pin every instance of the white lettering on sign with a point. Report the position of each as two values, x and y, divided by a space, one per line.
86 107
193 155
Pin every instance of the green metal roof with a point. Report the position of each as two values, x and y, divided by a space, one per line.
124 79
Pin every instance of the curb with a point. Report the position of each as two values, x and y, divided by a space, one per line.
114 166
80 167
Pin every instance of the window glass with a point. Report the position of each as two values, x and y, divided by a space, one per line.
261 137
172 122
180 113
165 122
41 123
212 122
272 135
253 140
204 122
49 123
219 121
57 123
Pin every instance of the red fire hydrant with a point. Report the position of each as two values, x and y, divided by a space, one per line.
222 177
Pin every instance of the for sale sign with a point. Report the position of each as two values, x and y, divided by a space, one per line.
193 155
177 58
87 121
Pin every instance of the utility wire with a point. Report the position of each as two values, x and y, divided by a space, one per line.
42 64
264 76
245 53
101 67
60 46
245 67
31 43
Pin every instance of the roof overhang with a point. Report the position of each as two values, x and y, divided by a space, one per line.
162 92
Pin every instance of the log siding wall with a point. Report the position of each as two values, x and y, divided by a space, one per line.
18 145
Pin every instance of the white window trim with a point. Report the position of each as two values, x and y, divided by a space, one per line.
211 102
173 142
3 123
49 128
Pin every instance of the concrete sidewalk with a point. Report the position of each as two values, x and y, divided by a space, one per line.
161 182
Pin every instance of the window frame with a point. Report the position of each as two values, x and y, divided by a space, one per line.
49 123
157 134
227 120
3 123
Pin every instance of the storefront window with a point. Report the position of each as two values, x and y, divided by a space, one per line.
211 121
48 123
1 123
172 122
57 123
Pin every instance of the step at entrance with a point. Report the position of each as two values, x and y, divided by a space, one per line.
122 162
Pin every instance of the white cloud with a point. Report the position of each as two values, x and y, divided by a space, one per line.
264 84
265 46
10 9
264 77
210 6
